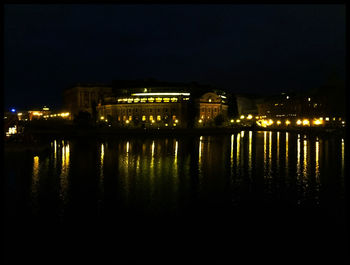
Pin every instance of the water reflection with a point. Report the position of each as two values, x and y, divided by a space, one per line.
278 152
64 184
238 157
342 158
287 162
305 168
317 170
250 154
35 182
159 171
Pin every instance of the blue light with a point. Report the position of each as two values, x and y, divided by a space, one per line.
13 110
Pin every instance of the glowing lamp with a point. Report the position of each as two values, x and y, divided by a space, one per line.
306 122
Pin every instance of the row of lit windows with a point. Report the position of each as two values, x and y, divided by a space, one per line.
123 111
209 110
150 99
144 118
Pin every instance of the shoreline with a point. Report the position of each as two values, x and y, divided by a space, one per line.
100 132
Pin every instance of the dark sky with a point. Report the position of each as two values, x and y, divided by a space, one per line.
240 48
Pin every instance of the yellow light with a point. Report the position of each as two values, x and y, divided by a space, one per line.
321 119
287 97
317 122
102 118
150 99
166 124
19 114
136 100
159 117
46 109
153 121
249 117
174 124
130 118
200 121
299 122
166 99
270 122
327 118
238 120
287 122
306 122
106 120
256 117
161 94
143 118
127 121
151 117
242 117
176 121
278 122
158 99
343 122
173 99
232 121
36 113
309 99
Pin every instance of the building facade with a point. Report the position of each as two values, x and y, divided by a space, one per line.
84 97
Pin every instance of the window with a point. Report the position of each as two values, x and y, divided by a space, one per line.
158 118
143 117
151 117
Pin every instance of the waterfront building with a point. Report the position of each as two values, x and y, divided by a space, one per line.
160 104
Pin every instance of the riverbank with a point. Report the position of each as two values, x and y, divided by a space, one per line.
73 131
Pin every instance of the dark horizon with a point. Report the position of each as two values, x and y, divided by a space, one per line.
237 48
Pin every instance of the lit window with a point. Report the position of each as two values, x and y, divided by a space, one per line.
159 118
143 117
166 99
150 99
151 117
158 99
130 118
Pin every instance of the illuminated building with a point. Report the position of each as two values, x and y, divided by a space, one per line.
160 104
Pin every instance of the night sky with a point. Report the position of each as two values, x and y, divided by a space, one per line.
240 48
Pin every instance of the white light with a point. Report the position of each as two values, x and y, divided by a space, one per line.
161 94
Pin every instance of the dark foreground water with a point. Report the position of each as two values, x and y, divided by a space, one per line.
252 195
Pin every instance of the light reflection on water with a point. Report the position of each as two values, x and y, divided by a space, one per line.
156 173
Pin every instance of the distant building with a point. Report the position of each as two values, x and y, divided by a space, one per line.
84 97
247 104
291 105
